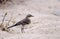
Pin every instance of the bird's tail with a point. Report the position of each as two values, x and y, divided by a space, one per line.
11 26
14 25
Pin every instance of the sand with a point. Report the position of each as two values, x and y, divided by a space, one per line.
45 23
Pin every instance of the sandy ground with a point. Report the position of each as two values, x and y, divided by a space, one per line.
45 23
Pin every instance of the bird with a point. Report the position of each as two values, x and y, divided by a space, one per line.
23 22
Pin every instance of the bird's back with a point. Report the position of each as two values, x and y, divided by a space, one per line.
25 21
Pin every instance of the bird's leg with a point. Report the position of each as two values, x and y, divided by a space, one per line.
22 29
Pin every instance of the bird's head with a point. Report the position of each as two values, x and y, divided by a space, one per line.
29 15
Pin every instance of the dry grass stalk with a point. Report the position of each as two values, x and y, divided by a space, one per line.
1 25
7 24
